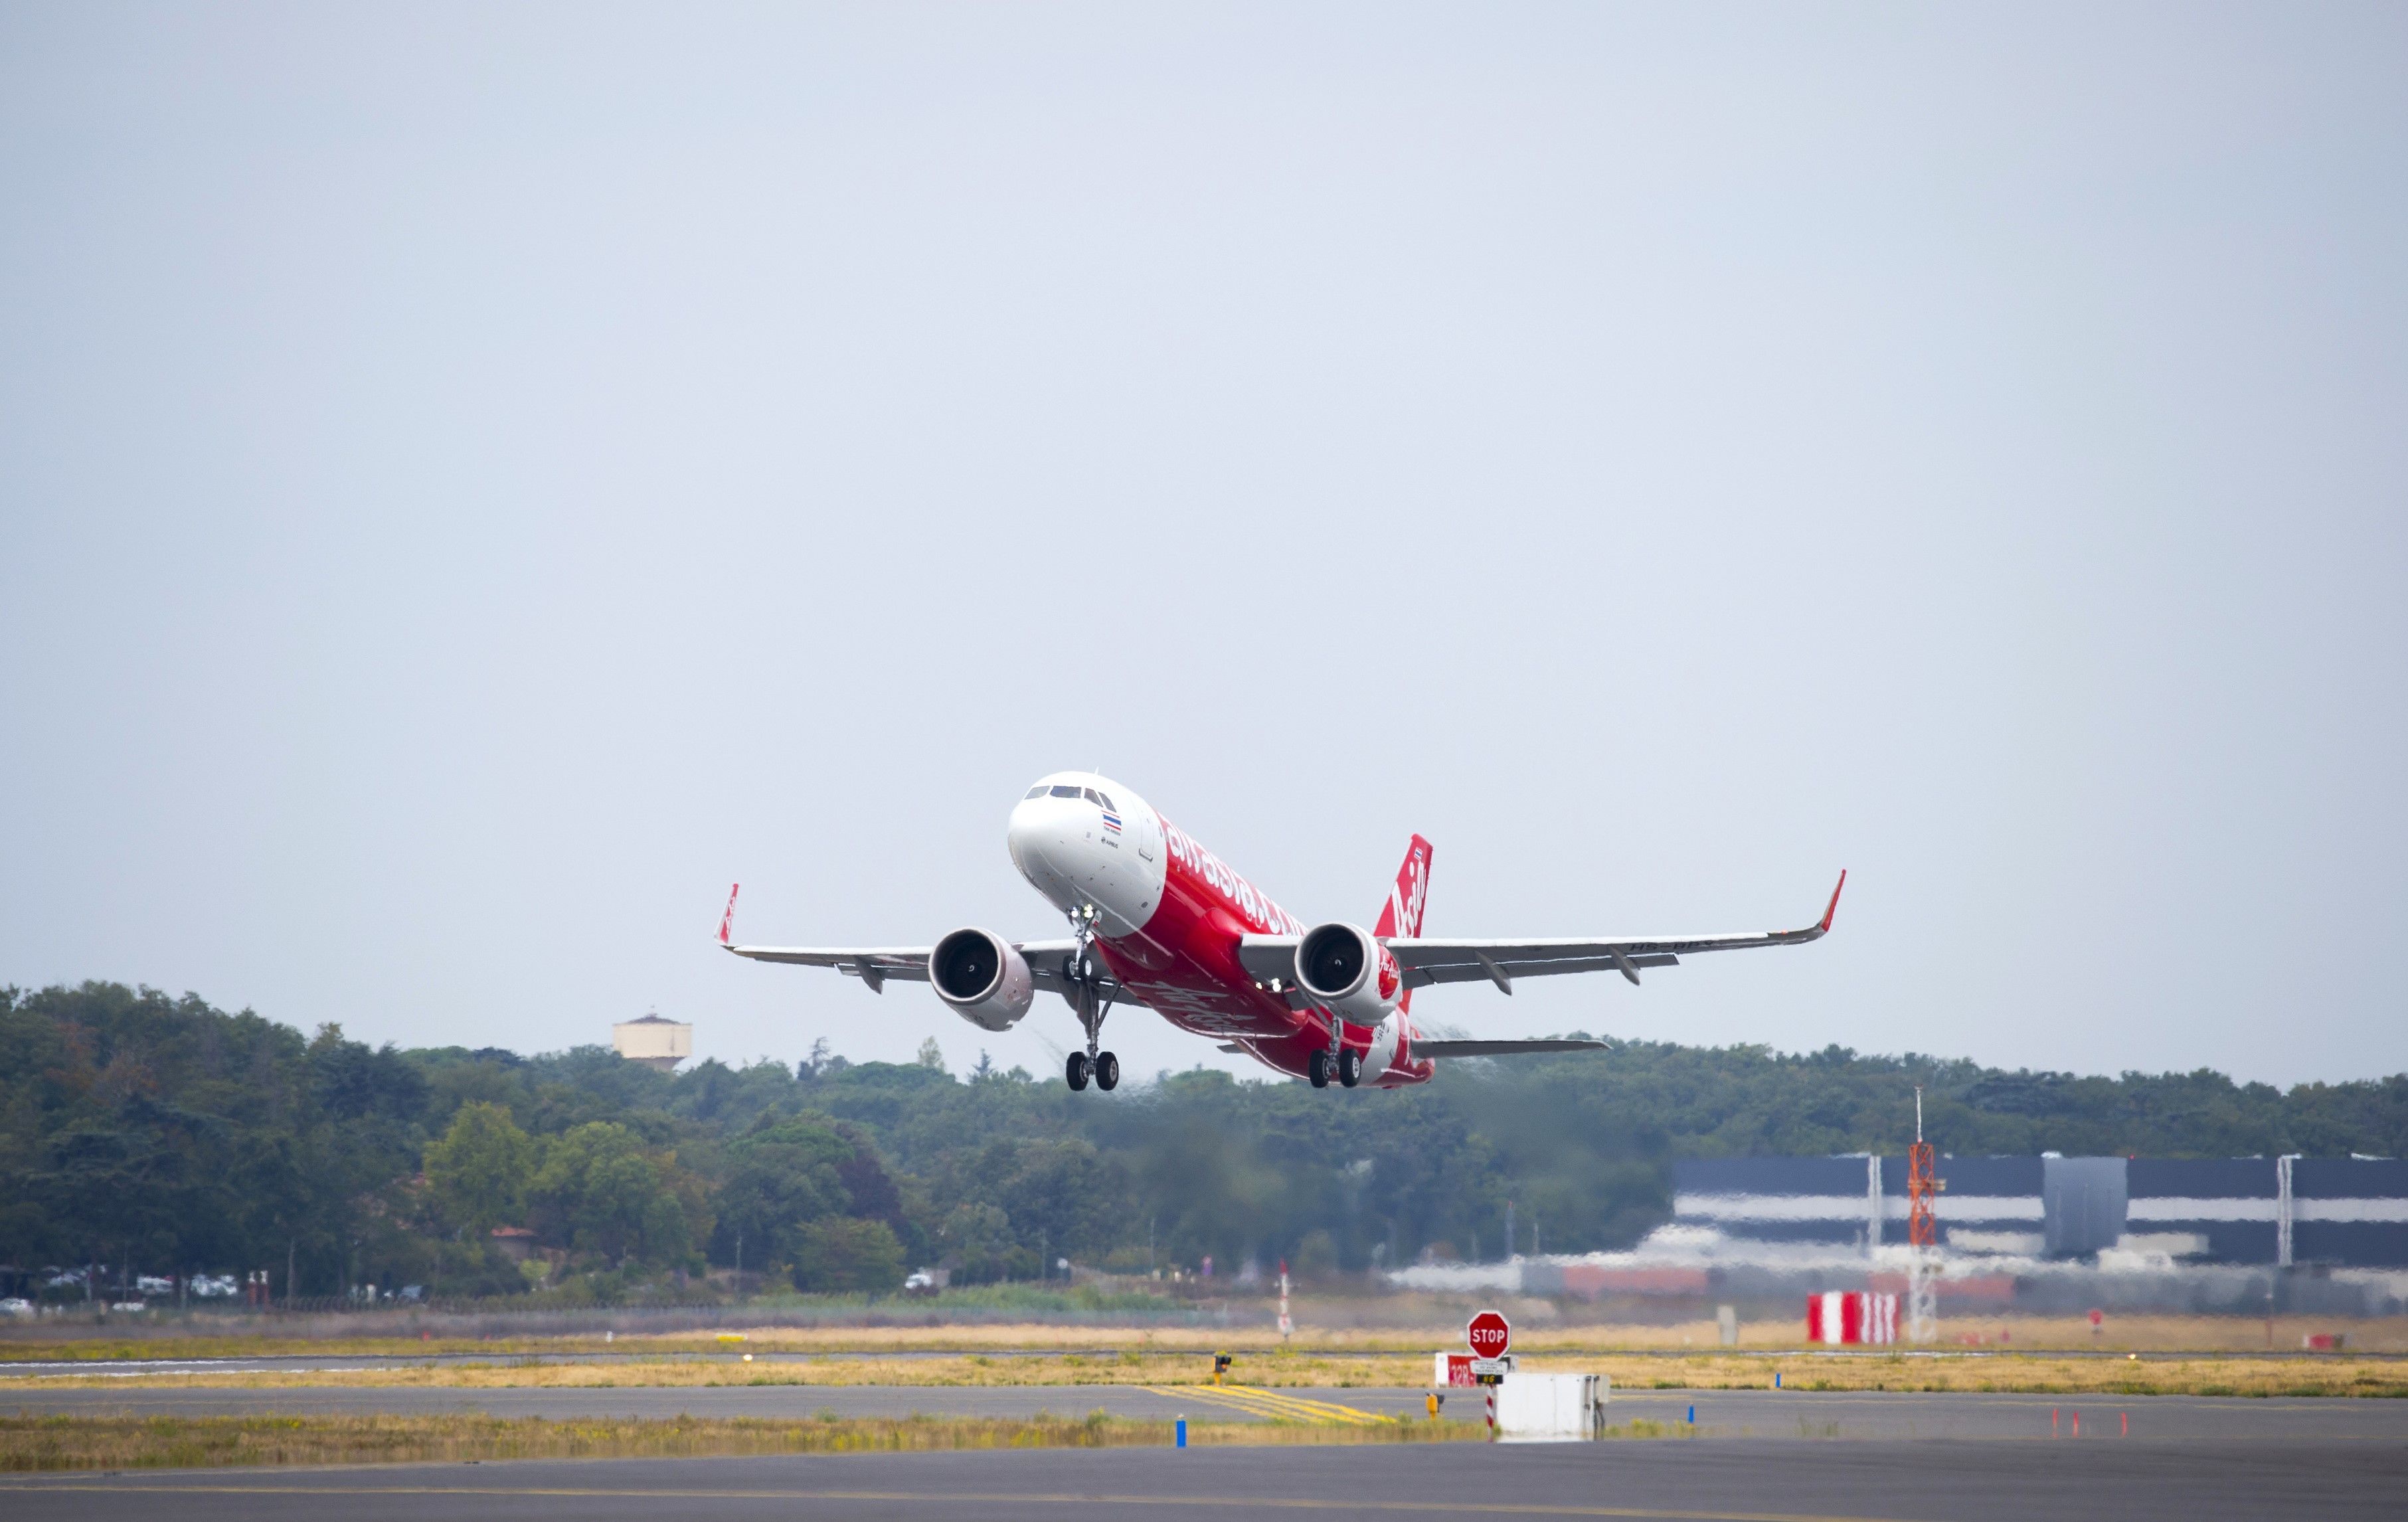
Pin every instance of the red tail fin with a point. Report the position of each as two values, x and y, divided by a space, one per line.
1402 915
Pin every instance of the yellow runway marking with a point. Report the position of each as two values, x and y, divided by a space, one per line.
1256 1401
1482 1508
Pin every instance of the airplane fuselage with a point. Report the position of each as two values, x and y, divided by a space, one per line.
1170 917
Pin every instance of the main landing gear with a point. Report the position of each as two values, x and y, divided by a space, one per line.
1339 1059
1083 970
1103 1066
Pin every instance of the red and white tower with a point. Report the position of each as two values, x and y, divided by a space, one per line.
1922 1235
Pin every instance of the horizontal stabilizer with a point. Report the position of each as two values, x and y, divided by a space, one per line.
1500 1049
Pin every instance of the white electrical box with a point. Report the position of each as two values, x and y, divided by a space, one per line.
1551 1408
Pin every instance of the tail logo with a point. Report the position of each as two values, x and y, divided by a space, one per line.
728 918
1402 913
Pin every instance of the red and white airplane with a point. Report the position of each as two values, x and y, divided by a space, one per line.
1157 920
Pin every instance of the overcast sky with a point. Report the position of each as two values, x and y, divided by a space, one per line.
475 481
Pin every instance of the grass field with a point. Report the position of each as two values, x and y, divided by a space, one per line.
2135 1355
114 1442
2014 1373
1538 1327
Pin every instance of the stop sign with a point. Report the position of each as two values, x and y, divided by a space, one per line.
1488 1335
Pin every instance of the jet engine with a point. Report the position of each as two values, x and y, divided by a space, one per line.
1340 966
983 978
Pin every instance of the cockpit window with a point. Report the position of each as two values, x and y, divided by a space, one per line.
1065 791
1106 799
1037 792
1089 794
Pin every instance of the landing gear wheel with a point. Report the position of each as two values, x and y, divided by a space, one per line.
1350 1068
1076 1072
1108 1071
1316 1069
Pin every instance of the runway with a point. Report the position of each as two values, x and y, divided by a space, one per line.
1762 1481
1739 1415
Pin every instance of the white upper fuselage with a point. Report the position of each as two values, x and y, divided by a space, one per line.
1080 838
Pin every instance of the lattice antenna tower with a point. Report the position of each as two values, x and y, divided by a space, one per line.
1922 1234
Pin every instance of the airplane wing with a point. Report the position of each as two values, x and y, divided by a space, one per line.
874 965
1500 1049
1425 960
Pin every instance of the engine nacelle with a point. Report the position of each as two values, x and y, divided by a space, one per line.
984 981
1342 967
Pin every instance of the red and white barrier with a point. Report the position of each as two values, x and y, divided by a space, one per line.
1852 1317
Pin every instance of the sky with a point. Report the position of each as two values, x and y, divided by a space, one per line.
475 481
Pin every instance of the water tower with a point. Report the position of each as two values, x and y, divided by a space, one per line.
653 1041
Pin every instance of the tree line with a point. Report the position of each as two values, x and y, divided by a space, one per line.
163 1134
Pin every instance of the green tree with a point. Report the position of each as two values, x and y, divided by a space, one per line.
600 1190
479 1172
842 1253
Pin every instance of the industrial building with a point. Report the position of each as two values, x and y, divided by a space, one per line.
2343 1212
2041 1235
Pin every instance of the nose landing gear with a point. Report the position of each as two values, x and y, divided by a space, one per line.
1083 970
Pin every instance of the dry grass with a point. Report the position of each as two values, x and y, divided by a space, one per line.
1540 1327
1130 1367
2180 1354
2320 1375
112 1442
2007 1374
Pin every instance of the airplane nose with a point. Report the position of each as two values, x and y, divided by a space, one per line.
1029 835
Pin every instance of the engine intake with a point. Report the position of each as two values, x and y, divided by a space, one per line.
1342 966
981 978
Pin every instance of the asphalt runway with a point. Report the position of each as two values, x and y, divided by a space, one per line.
1862 1415
1937 1481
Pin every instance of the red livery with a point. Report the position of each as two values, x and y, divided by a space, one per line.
1157 920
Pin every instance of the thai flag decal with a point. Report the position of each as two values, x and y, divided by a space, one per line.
1111 822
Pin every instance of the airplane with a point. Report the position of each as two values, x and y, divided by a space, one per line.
1157 920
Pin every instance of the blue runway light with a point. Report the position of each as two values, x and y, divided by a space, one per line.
1183 1432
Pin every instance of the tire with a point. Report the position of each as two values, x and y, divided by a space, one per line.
1108 1071
1076 1072
1350 1067
1316 1069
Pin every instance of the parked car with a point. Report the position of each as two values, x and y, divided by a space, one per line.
16 1306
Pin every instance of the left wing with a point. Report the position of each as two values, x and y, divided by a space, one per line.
1500 1049
1425 960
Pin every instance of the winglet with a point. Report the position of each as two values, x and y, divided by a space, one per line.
1828 910
729 918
